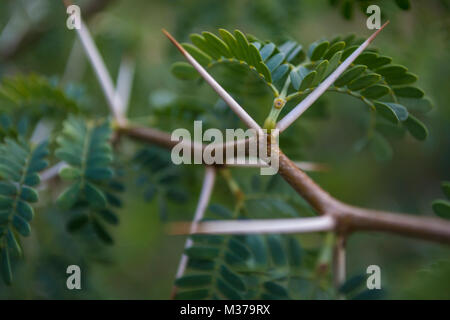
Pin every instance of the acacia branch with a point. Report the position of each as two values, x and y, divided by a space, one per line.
348 218
351 219
345 218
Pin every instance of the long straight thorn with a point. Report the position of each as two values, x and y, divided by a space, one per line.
284 123
241 113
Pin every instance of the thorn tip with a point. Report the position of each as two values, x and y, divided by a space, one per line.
175 42
373 36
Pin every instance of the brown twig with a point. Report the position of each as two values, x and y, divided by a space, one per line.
348 218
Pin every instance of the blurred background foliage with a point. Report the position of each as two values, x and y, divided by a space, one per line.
143 261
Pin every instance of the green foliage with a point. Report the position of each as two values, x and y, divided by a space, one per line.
19 166
159 178
442 207
268 61
36 92
252 266
386 88
241 267
14 127
85 147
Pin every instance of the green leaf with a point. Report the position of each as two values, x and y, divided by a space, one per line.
348 51
363 81
69 173
307 78
197 54
25 210
4 217
320 69
267 51
7 189
102 233
94 196
258 249
227 291
333 63
238 249
78 222
401 79
5 203
203 265
296 79
29 194
231 42
232 278
184 71
255 57
21 226
99 174
109 216
317 50
393 112
366 58
442 208
276 250
37 92
376 91
409 92
446 188
280 72
416 128
418 105
70 196
379 62
6 266
242 44
333 49
191 281
276 290
275 61
198 252
262 68
217 43
392 70
32 180
13 244
350 75
294 253
203 45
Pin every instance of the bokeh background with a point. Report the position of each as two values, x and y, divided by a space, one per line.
143 261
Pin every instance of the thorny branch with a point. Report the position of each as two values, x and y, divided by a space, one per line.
334 215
